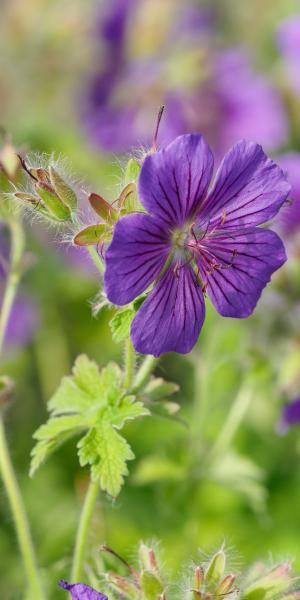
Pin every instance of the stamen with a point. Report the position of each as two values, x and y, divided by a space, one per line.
25 168
159 117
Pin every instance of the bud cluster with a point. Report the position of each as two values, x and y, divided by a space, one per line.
101 233
49 193
208 581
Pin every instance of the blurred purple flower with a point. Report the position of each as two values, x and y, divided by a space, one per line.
215 92
290 416
289 44
80 591
290 215
250 105
193 240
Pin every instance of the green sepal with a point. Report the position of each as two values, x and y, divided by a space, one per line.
133 169
215 569
63 190
53 203
151 585
93 234
103 208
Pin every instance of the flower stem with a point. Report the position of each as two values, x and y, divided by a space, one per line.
17 246
82 532
6 467
129 364
20 518
144 372
96 259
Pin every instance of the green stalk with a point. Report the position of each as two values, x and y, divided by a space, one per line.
82 531
129 364
148 365
6 467
96 259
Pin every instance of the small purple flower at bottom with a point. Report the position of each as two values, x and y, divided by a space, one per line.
80 591
193 240
290 416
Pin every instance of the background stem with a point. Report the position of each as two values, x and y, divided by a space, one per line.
82 531
6 467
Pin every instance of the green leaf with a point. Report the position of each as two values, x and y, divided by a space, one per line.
120 324
93 401
127 410
107 452
87 388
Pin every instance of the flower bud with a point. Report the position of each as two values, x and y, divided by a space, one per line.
55 206
226 585
103 208
276 581
63 190
215 569
151 585
123 586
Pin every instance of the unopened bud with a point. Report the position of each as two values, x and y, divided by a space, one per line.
151 585
9 161
122 585
226 585
55 206
215 569
198 578
103 208
63 190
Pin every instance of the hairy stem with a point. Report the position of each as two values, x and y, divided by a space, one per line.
148 365
129 364
82 531
6 467
97 260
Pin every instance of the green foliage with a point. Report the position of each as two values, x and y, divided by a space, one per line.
93 401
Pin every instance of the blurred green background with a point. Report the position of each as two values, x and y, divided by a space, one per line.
183 488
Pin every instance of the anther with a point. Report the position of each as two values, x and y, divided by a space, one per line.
159 117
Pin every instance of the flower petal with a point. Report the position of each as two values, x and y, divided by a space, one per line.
249 188
135 257
252 256
290 416
171 318
174 180
80 591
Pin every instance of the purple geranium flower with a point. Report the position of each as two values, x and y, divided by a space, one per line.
80 591
289 45
290 215
193 240
290 416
